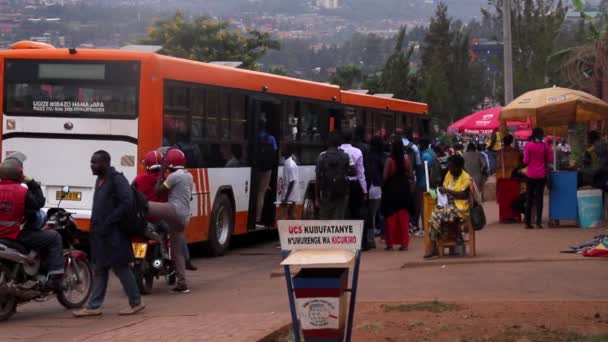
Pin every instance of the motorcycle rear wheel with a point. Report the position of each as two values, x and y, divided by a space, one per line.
8 307
78 278
143 278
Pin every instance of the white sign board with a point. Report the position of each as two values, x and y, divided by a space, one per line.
320 235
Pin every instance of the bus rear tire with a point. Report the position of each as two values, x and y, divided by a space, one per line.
221 226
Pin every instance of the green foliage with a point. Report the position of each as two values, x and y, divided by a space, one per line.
535 26
275 70
434 307
347 76
205 39
451 83
396 77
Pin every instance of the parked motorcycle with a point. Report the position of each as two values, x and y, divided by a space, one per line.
22 279
152 258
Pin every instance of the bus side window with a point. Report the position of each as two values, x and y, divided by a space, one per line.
238 131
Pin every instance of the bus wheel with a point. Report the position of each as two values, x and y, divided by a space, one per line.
221 225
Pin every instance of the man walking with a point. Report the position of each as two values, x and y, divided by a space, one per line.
331 190
368 241
290 180
357 183
110 246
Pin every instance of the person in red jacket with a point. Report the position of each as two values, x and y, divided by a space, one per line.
21 205
146 184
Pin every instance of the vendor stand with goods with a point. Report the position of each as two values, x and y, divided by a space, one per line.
503 162
555 109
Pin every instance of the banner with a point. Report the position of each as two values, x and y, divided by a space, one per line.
300 235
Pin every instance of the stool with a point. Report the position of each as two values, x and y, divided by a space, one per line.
451 241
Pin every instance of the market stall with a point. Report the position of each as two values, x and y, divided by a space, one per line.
483 122
554 109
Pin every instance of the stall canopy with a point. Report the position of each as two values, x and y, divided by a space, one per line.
524 134
482 122
555 107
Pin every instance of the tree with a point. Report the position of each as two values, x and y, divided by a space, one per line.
434 68
396 78
535 25
205 39
584 66
277 70
347 76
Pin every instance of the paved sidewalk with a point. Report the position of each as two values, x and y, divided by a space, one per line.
242 296
191 328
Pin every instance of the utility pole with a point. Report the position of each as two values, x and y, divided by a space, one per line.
507 50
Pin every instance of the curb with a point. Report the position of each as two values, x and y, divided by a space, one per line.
471 261
276 334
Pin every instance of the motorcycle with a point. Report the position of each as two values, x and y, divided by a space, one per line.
23 278
152 257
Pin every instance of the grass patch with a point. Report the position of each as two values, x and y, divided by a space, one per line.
542 334
372 326
434 307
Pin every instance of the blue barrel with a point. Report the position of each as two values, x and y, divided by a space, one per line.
562 196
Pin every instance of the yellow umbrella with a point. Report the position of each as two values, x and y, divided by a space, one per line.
555 107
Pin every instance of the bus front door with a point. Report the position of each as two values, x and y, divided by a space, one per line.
264 152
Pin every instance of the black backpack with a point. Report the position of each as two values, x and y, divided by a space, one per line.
135 222
333 168
266 153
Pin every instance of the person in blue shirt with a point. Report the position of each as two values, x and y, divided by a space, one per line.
426 155
266 160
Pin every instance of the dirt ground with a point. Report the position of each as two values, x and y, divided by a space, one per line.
543 321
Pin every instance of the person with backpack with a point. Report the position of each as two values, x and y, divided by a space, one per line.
146 184
415 162
332 186
266 160
176 211
110 244
397 201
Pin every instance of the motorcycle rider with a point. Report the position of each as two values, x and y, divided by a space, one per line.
176 212
146 184
18 205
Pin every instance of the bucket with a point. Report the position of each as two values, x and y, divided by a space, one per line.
590 208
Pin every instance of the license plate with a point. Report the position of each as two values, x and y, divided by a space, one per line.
70 196
139 249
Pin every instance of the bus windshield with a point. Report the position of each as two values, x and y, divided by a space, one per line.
71 88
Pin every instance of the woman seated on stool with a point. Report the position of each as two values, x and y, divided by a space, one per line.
456 188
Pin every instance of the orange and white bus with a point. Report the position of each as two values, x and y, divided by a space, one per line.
61 105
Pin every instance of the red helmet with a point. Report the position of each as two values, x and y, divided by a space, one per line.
153 160
175 159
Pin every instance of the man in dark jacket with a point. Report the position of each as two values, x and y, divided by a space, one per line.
110 246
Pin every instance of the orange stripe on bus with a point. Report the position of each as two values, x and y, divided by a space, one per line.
208 192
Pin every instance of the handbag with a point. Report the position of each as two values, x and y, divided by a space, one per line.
477 214
478 217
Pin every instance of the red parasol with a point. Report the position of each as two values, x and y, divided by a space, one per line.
482 122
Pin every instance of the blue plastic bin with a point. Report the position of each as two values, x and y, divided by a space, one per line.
590 208
562 196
